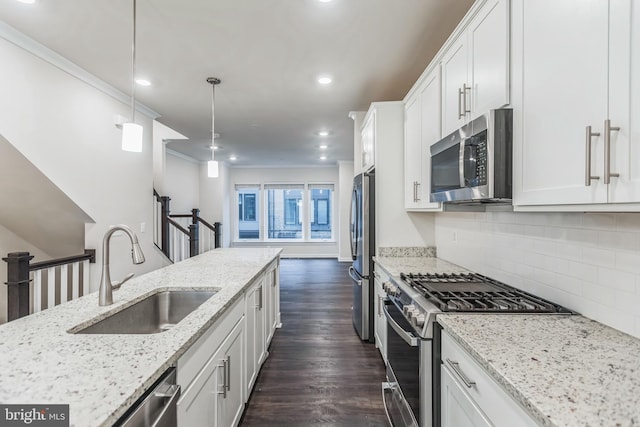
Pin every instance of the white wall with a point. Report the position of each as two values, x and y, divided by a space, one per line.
214 199
66 128
290 175
587 262
345 181
181 182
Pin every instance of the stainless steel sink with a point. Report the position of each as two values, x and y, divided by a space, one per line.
156 313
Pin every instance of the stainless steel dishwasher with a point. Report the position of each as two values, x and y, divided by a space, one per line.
157 408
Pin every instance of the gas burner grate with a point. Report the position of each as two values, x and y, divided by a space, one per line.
471 292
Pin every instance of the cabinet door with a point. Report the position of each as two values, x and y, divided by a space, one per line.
199 404
380 320
624 100
430 119
488 38
412 153
369 142
458 409
454 81
231 406
272 291
251 356
563 67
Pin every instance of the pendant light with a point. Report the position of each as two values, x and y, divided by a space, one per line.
131 131
212 165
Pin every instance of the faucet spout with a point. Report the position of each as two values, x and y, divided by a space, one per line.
105 292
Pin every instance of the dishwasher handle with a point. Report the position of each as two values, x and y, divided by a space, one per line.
168 417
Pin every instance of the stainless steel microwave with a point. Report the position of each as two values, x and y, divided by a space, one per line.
474 163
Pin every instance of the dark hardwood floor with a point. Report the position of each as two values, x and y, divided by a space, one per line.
319 372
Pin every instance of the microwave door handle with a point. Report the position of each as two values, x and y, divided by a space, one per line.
461 163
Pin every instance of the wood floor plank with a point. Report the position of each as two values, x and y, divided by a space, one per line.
319 372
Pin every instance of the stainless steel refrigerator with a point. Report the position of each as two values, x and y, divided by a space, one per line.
362 230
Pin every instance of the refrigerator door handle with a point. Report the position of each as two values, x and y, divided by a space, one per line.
353 214
355 276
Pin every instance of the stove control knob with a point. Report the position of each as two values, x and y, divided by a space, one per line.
418 320
392 289
408 310
386 286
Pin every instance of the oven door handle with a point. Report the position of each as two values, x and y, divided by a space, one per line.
408 337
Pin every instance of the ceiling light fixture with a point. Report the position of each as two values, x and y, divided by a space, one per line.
27 1
323 147
325 1
212 165
132 132
323 157
323 133
233 158
143 82
214 147
324 80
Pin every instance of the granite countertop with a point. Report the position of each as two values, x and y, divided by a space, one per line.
566 370
100 376
396 265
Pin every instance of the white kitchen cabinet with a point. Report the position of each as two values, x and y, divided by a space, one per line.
469 397
475 67
368 138
577 66
380 322
255 317
272 290
422 129
211 374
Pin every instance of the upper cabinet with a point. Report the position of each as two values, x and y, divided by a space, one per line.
576 97
368 138
421 130
475 67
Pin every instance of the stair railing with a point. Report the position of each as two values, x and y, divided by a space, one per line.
33 287
180 236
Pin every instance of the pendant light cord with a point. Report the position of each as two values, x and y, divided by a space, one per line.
213 120
133 67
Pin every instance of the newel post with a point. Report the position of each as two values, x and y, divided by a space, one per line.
194 233
18 284
218 234
165 211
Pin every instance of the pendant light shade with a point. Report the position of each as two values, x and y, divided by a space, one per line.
132 137
132 132
212 165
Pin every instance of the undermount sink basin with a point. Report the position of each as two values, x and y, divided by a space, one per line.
156 313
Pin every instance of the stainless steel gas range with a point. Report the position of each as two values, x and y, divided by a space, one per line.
411 392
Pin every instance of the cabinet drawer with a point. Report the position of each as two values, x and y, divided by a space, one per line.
489 396
197 355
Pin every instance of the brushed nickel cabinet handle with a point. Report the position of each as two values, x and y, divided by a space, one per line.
587 162
456 368
607 151
417 191
465 88
460 113
228 384
224 379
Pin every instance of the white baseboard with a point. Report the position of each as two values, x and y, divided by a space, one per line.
345 259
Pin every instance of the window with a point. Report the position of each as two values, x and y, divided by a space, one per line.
248 217
321 197
283 211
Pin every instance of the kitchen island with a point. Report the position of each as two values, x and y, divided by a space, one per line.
101 376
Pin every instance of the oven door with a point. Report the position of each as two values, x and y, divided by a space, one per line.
402 391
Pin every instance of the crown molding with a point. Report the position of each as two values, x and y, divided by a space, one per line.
39 50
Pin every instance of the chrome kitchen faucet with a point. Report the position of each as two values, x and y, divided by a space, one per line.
106 285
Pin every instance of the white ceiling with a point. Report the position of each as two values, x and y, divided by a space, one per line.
268 54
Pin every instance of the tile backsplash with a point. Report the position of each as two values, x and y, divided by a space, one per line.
588 262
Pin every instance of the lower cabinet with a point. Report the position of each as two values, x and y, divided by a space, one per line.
380 322
470 397
214 397
218 372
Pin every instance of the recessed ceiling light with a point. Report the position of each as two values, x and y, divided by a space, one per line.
323 133
214 147
325 1
232 158
324 80
27 1
323 147
143 82
323 157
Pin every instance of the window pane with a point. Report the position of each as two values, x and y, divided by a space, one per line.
283 213
321 222
248 218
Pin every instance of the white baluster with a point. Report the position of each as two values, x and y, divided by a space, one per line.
51 287
85 277
64 283
37 291
75 280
